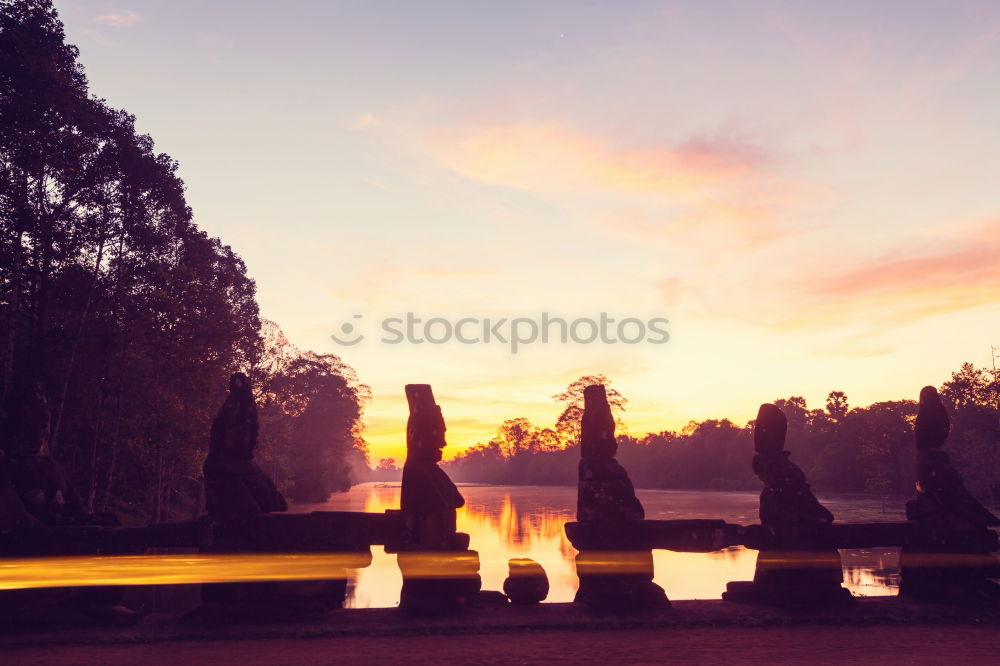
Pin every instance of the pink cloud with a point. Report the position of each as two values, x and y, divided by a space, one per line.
971 258
723 152
551 157
910 283
705 183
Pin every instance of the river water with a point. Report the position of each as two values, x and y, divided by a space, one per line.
527 521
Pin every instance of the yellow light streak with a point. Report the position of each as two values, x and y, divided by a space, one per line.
27 573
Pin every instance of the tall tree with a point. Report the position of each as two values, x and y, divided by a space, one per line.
110 296
568 423
311 408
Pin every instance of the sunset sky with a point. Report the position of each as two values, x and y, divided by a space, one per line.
808 191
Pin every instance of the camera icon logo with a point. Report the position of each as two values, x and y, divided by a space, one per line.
348 329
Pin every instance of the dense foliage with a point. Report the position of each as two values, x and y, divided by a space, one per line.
129 316
310 414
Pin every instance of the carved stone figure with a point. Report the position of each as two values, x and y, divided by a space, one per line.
604 493
786 498
942 499
426 488
238 493
620 577
234 486
439 571
34 496
792 566
37 478
955 564
29 422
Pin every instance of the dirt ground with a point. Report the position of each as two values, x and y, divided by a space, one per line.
943 644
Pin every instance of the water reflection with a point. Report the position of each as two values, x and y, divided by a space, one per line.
525 521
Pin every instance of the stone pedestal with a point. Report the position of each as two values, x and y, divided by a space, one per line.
952 566
620 581
809 578
438 581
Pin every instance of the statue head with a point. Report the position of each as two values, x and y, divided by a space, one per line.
597 427
769 430
425 427
239 383
932 425
235 427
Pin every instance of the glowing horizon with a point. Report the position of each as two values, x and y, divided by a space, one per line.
803 190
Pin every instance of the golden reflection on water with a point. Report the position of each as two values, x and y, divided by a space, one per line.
505 522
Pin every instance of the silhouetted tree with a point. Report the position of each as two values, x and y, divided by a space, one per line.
129 316
972 395
386 471
310 409
842 449
568 423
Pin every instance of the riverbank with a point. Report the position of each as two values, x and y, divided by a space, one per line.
692 631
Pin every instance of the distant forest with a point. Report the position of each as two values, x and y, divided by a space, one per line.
128 316
842 449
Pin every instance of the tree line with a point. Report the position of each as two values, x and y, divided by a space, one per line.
127 315
842 449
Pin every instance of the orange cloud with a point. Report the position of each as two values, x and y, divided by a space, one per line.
552 158
906 285
701 184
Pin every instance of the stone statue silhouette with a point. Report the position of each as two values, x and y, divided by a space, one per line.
235 428
428 502
238 495
786 497
426 488
793 568
35 496
604 492
234 486
955 564
37 477
29 422
942 498
605 495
